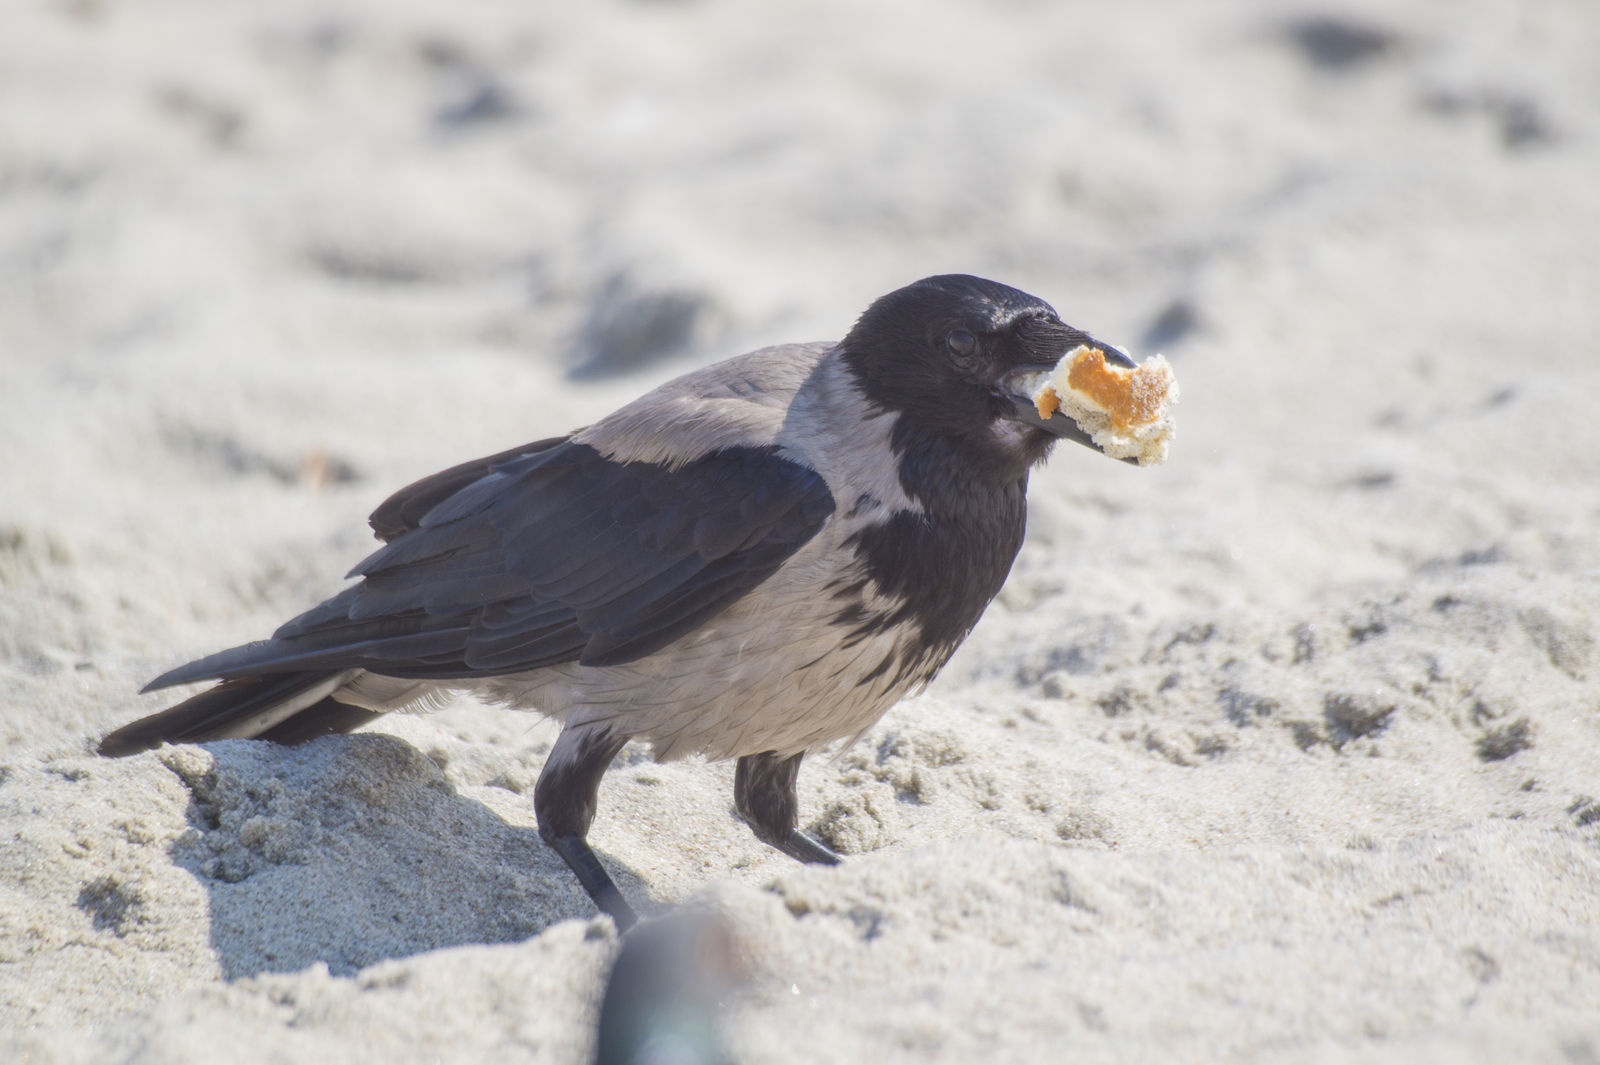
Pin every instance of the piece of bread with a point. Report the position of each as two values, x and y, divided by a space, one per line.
1126 412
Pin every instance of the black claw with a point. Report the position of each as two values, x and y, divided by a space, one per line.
802 848
764 794
585 865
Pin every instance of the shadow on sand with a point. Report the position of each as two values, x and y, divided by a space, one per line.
353 849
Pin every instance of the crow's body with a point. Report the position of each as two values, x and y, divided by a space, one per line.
753 561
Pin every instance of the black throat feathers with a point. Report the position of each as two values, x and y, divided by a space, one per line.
940 567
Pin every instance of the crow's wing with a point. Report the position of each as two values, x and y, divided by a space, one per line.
553 555
405 510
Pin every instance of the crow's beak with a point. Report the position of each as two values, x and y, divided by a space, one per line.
1018 386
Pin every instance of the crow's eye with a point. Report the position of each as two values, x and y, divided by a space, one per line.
961 343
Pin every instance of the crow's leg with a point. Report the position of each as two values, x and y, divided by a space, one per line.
763 793
565 800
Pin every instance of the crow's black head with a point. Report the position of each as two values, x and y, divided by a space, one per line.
945 353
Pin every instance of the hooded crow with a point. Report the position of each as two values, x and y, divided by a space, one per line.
753 561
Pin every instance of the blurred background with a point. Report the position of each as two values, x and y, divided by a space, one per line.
607 186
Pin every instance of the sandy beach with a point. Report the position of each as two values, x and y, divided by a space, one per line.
1287 750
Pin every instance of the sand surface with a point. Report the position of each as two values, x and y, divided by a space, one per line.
1285 751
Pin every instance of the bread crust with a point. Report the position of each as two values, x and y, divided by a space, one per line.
1126 411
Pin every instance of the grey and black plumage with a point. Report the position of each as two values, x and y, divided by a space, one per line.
753 561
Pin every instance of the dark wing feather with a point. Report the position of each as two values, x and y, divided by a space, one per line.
555 554
403 511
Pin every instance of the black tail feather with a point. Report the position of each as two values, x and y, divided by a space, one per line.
324 718
217 713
